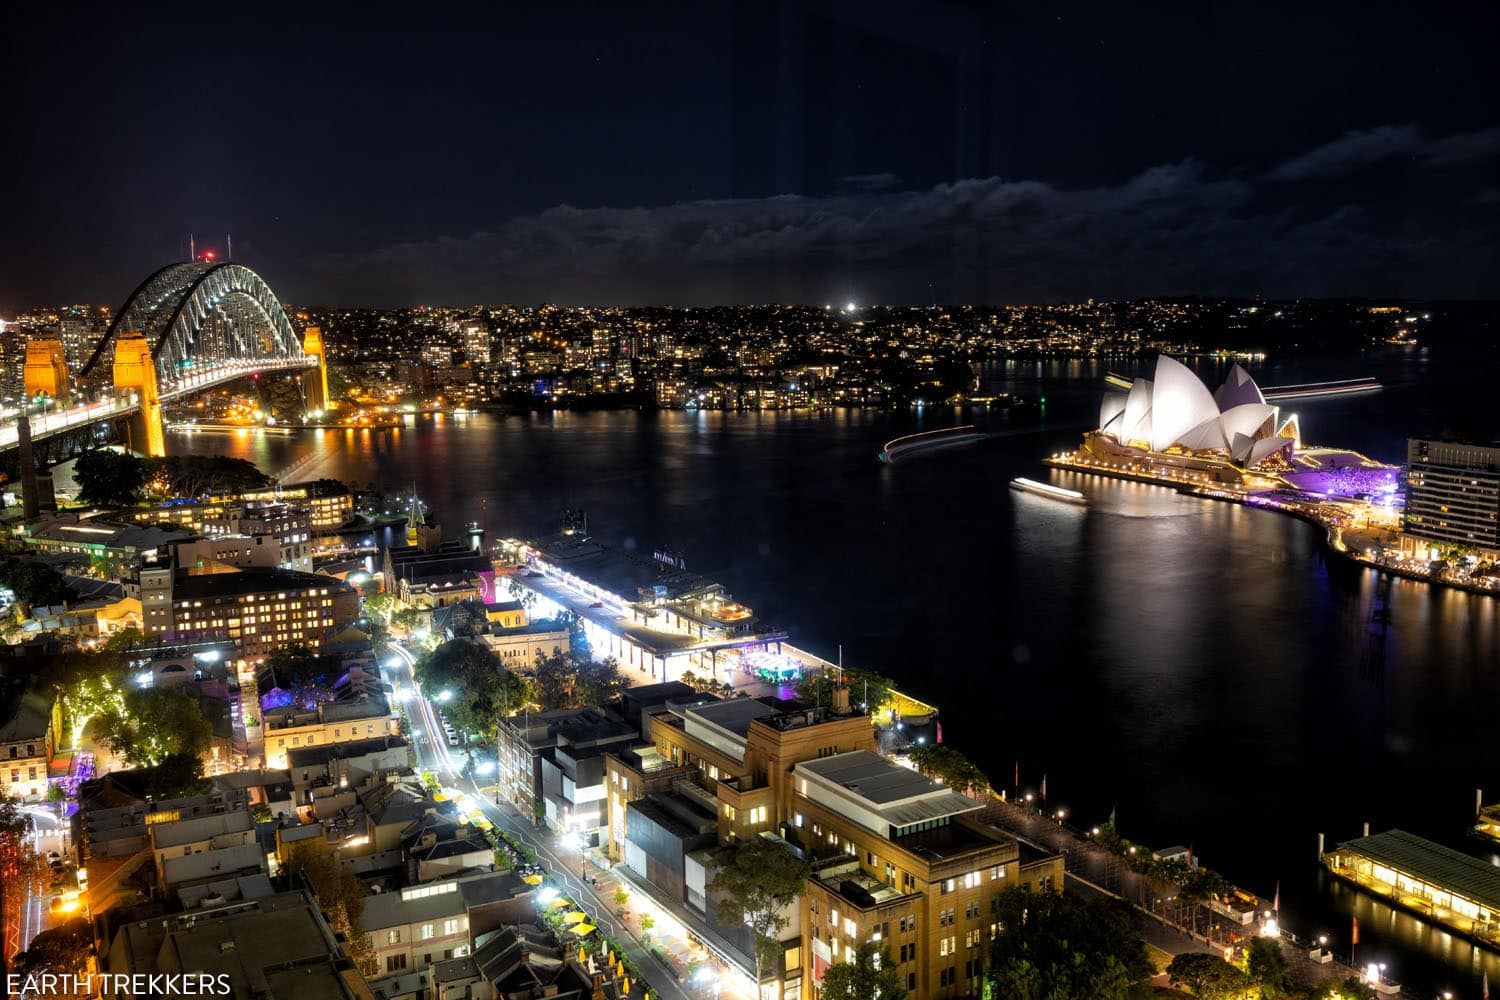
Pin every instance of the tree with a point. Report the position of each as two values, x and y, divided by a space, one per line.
296 667
472 686
198 475
951 768
109 477
870 976
865 688
124 640
61 950
1052 945
1198 885
1209 977
758 879
1349 989
153 724
87 685
176 777
568 681
340 894
381 607
599 682
1267 965
553 682
33 584
23 871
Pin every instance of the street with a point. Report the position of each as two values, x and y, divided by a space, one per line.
432 752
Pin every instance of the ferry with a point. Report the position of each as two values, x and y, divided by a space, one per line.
911 444
1312 390
1047 490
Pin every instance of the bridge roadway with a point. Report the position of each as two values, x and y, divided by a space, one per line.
219 373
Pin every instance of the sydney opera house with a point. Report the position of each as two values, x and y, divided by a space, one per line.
1173 424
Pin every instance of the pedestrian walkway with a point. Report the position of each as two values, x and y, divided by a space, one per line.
1174 926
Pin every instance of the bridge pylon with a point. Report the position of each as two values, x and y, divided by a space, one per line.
315 381
135 371
46 372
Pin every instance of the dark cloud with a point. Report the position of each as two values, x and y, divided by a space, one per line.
1171 228
1356 150
1465 147
1351 151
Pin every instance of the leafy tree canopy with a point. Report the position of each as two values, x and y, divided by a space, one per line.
108 477
952 768
202 475
340 893
1267 965
1051 945
569 681
865 688
34 584
64 949
1209 977
295 667
756 881
865 978
471 685
153 724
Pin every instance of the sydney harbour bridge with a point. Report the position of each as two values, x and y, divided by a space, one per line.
189 327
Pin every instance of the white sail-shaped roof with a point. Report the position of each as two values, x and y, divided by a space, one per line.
1111 410
1175 409
1290 428
1255 420
1137 420
1265 448
1180 402
1207 436
1238 389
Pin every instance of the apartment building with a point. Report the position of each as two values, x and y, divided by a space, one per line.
902 860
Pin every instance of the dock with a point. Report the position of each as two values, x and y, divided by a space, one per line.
1443 886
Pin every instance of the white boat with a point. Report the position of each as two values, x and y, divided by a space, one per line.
1047 490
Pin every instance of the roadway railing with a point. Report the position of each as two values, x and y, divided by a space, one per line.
54 421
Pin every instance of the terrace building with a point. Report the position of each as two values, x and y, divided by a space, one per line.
412 928
28 739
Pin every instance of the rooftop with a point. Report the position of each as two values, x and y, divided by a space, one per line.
1432 863
874 789
106 534
251 581
433 900
189 831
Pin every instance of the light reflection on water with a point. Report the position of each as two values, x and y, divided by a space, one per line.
1200 667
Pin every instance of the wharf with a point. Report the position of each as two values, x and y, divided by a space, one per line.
1172 926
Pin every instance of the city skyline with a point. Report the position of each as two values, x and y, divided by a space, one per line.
818 154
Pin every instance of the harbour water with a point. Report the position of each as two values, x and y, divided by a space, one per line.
1202 668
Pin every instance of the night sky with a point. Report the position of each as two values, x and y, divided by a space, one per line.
748 152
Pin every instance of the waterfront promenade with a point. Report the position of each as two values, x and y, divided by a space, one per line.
1168 923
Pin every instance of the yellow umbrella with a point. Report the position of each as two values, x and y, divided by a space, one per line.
584 930
583 958
559 901
625 984
532 879
573 917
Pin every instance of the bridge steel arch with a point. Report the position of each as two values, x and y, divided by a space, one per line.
194 313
